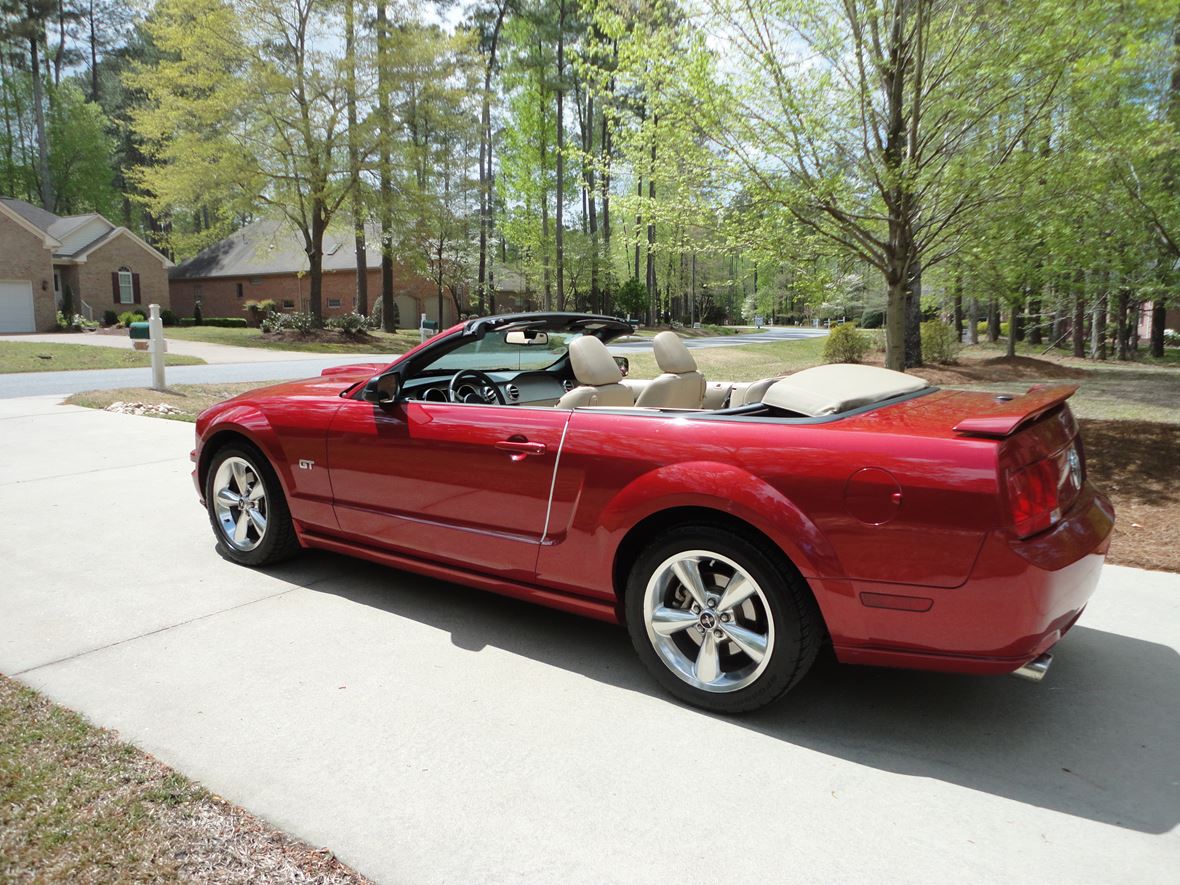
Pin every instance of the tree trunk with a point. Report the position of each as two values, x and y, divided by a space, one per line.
1159 314
652 293
1034 322
895 314
45 180
94 85
485 163
958 307
1013 323
315 265
1079 322
1098 329
993 320
389 314
591 209
1122 303
358 217
973 321
560 221
605 147
913 316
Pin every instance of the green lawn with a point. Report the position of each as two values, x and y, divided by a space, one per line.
386 342
25 356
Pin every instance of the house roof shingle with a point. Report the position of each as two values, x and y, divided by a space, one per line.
274 247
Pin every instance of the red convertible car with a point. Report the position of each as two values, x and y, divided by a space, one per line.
734 528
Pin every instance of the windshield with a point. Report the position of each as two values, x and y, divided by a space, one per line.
492 353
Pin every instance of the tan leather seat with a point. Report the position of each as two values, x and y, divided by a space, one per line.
598 374
681 386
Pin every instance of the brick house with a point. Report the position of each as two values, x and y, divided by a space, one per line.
265 260
103 266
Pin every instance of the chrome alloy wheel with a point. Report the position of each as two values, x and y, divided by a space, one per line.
708 621
239 500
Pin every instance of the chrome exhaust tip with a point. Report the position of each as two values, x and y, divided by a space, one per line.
1035 670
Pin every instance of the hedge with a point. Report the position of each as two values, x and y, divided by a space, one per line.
224 322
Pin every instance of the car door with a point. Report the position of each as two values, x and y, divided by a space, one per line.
465 484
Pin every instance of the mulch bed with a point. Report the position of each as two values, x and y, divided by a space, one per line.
1135 464
320 336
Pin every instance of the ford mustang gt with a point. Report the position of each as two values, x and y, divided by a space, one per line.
734 528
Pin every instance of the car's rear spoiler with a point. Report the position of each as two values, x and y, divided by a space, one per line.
1009 414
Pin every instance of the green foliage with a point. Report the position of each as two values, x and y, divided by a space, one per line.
81 157
197 315
109 318
940 344
846 344
631 299
127 317
167 317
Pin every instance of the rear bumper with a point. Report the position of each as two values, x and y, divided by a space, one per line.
1021 598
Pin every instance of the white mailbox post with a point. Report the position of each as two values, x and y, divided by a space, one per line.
157 345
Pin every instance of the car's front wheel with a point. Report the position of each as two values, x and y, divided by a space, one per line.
246 507
721 622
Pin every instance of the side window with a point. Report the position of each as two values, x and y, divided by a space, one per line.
126 287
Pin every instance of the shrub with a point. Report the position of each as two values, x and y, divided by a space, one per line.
127 317
846 344
939 342
288 322
225 322
109 318
352 324
197 315
872 318
167 317
268 305
1171 338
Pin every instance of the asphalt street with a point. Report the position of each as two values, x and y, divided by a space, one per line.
66 383
431 734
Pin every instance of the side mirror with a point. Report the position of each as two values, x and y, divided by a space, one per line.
624 365
382 390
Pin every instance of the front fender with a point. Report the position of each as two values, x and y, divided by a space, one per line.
243 420
731 490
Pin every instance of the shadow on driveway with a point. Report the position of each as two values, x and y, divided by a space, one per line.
1098 739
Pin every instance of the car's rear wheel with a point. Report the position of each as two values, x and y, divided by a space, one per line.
721 622
246 507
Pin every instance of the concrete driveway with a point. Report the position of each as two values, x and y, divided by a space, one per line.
429 733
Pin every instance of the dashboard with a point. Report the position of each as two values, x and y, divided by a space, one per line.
539 388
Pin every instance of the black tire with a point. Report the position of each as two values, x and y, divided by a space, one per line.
797 624
278 541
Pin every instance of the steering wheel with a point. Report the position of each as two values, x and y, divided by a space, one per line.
482 378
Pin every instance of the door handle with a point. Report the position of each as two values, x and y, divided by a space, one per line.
521 448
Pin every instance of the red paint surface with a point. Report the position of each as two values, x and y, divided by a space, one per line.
892 503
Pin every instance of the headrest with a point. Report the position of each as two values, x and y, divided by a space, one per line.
593 363
671 354
839 387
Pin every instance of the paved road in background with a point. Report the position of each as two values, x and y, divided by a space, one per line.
766 336
66 383
428 733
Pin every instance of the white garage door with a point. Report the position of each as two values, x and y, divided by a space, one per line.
16 306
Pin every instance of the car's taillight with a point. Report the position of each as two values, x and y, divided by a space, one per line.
1033 498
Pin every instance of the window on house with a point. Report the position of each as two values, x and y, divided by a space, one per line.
288 303
255 281
239 290
333 302
126 286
